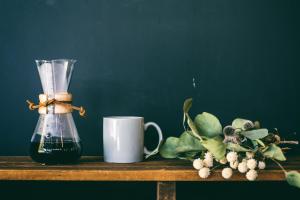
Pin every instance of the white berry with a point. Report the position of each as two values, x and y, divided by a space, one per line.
242 167
208 156
231 156
198 163
208 162
204 172
251 175
227 173
261 165
251 163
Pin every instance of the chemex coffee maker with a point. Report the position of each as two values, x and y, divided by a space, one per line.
55 139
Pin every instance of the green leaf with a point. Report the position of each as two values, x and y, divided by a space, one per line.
274 152
208 125
187 143
168 149
184 147
154 152
293 178
260 142
255 134
236 147
215 146
239 123
193 127
187 155
187 105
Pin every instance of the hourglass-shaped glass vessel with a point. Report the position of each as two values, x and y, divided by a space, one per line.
55 138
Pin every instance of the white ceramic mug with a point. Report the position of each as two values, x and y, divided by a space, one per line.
123 139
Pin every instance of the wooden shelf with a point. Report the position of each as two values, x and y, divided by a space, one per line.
94 169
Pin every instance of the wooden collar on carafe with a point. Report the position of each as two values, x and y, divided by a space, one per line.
62 103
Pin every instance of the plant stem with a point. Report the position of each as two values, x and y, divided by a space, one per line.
279 165
215 167
288 142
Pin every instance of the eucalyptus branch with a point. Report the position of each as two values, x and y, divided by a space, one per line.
250 143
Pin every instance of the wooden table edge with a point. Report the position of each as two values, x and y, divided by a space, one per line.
127 175
164 173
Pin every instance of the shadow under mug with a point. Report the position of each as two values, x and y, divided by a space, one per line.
123 139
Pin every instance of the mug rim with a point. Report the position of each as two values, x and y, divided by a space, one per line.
123 117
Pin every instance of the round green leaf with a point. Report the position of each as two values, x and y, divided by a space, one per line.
274 152
208 125
293 178
187 143
215 146
168 149
255 134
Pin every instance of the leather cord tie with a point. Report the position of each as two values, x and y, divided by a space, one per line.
63 105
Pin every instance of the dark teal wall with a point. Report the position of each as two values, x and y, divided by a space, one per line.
140 58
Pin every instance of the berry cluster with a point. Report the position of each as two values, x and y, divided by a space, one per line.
247 165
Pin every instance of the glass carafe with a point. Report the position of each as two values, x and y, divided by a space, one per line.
55 138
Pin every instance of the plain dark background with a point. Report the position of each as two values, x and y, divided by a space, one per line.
145 57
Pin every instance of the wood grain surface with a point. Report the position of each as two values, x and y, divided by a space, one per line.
94 169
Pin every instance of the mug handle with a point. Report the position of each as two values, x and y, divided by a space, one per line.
160 138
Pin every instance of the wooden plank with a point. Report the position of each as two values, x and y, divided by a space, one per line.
94 169
127 175
166 190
